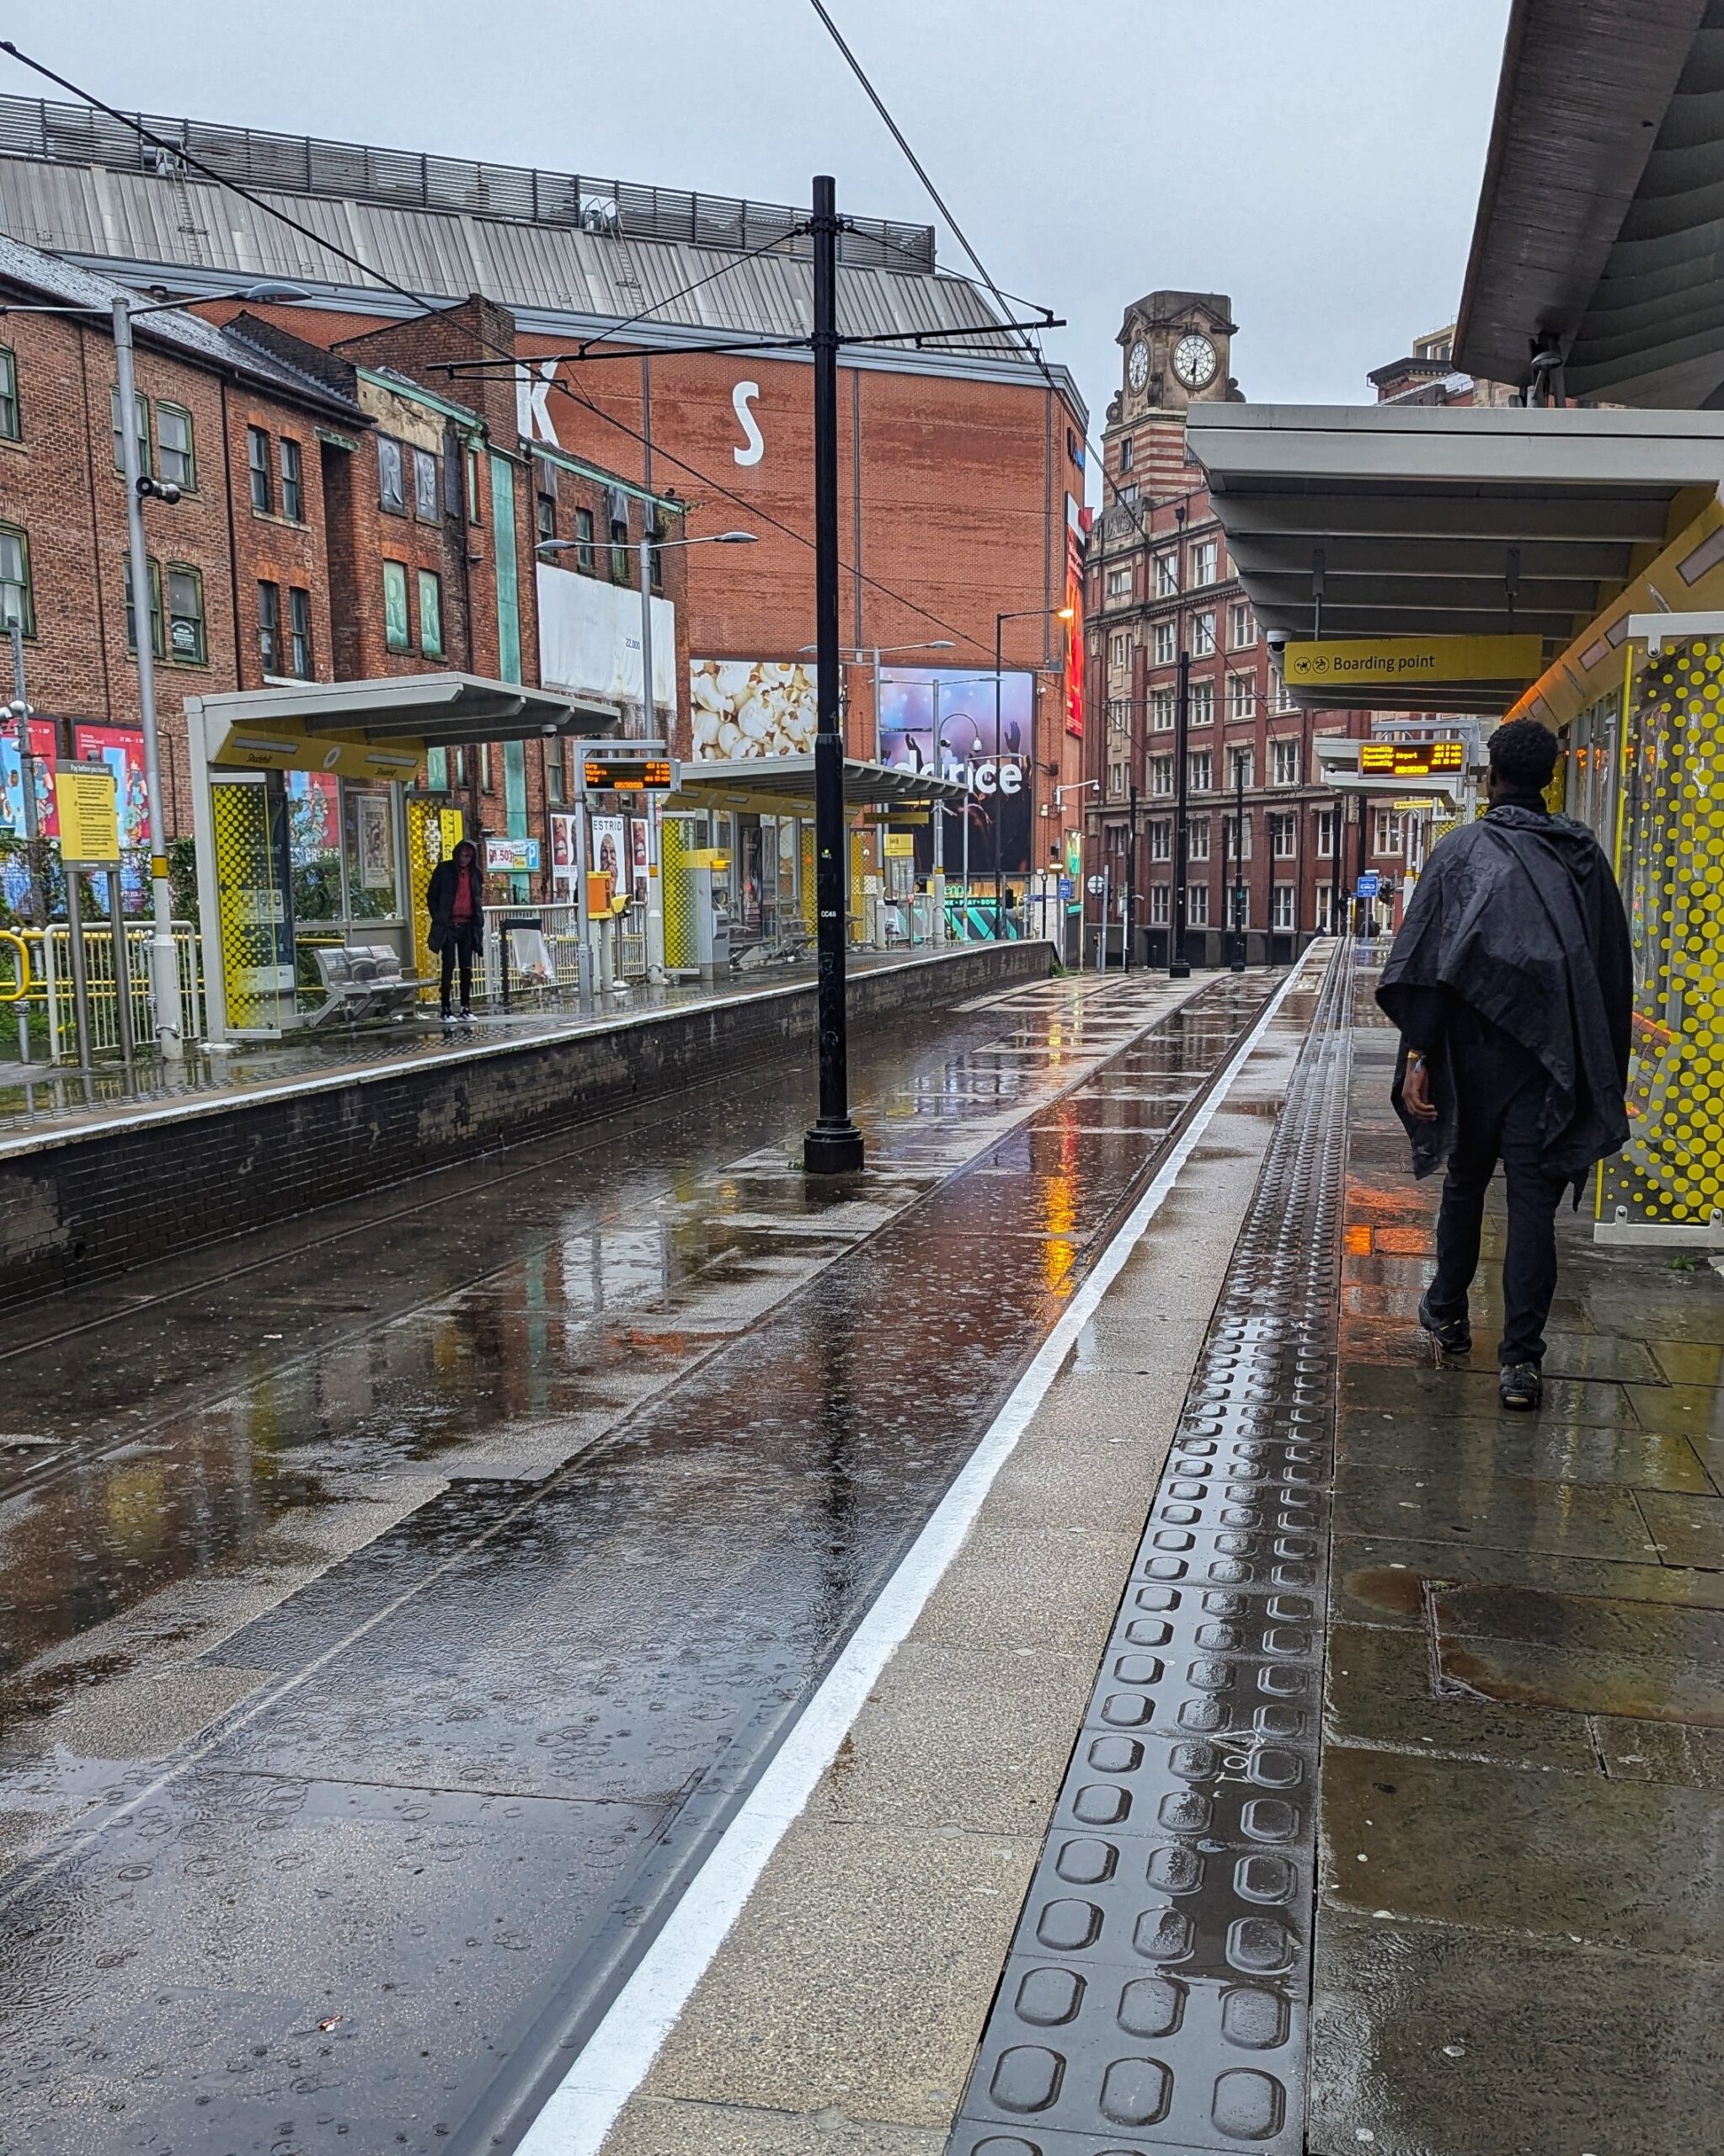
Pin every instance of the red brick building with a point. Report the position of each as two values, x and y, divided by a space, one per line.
1262 829
961 460
338 518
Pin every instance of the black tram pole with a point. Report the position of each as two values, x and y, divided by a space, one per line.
1179 967
1130 881
834 1146
1239 945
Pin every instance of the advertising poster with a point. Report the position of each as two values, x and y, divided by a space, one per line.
122 748
611 852
638 855
1071 685
511 856
590 643
42 754
751 707
923 706
565 858
377 864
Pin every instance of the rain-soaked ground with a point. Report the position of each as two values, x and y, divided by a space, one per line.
395 1605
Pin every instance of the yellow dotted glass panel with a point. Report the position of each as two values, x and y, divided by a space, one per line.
424 850
1671 865
678 840
251 903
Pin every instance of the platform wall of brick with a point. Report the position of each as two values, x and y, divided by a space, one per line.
89 1204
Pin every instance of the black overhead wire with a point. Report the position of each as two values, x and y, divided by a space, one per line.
415 300
920 171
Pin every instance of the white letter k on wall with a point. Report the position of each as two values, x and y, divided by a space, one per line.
532 411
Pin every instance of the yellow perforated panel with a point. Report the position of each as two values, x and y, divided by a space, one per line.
424 850
807 832
1670 859
252 907
679 839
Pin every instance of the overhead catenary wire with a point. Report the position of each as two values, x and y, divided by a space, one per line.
921 170
417 301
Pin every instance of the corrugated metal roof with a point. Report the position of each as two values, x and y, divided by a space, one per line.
307 165
189 335
146 220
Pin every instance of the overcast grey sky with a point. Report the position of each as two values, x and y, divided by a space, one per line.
1318 160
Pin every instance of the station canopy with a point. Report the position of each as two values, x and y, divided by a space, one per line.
784 786
382 728
1599 236
1448 522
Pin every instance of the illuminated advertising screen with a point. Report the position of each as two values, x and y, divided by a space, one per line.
923 706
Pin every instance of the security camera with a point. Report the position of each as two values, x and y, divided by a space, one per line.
160 490
1277 639
549 733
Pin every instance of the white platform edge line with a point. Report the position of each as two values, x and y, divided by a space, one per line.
577 2117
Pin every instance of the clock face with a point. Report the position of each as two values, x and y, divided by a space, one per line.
1137 365
1194 361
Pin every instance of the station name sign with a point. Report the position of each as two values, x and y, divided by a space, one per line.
1411 758
1403 661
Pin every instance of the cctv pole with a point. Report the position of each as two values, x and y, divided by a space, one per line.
834 1146
164 972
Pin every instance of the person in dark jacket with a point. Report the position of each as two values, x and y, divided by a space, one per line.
1512 983
456 899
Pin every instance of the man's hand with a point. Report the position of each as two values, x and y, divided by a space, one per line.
1415 1090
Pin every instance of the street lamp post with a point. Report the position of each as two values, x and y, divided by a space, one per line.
164 971
1018 614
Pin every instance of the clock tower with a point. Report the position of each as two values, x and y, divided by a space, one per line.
1176 347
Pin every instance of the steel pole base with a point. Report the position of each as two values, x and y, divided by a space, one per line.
832 1148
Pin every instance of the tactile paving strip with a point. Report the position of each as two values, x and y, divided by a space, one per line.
1157 1994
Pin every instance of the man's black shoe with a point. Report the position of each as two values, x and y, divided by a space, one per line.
1520 1386
1454 1337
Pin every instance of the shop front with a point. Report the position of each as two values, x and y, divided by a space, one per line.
316 839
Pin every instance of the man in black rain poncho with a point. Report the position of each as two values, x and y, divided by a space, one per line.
1511 983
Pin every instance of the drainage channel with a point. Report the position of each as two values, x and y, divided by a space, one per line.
1157 1995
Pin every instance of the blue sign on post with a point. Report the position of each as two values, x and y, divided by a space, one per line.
1369 883
1065 887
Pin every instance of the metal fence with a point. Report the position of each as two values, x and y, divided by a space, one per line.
303 164
51 985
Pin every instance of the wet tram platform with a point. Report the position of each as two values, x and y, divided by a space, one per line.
1024 1656
1366 1794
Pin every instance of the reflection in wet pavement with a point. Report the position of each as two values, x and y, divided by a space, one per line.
389 1617
1518 1935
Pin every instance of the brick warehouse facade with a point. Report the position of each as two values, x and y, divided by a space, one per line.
1160 581
306 475
961 463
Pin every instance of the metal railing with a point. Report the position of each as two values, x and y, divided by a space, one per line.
50 985
305 164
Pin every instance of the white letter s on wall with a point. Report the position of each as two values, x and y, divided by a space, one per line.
755 448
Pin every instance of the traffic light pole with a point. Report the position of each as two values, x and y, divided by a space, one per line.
834 1145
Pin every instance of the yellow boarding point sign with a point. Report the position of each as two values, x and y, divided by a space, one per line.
87 800
1403 662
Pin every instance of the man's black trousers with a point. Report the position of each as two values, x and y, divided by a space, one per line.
1499 1101
457 948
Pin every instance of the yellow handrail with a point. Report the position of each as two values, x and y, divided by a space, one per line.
22 988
